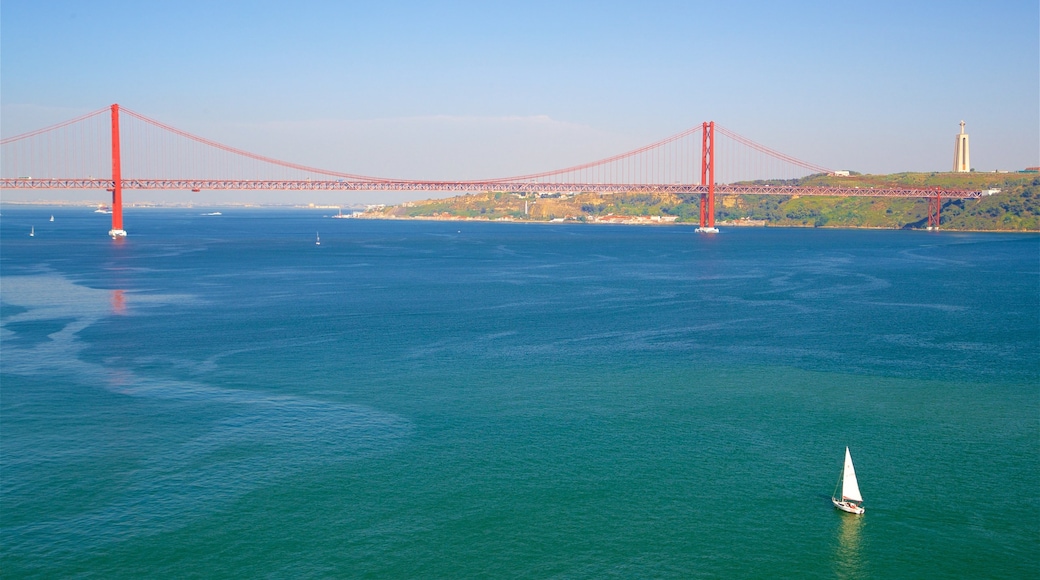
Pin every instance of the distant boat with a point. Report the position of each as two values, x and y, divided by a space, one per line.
212 213
102 209
317 240
850 496
32 231
52 218
341 216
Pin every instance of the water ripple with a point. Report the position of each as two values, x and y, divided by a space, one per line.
253 439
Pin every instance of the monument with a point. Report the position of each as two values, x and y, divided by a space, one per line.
961 162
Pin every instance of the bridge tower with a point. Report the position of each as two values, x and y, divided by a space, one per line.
117 230
708 178
934 207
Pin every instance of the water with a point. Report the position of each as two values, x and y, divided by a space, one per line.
217 396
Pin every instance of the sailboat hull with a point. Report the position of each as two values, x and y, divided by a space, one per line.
849 507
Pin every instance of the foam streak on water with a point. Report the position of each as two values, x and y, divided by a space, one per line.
252 439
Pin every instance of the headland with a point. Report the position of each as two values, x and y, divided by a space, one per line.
1012 204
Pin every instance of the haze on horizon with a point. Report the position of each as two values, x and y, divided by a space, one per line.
465 90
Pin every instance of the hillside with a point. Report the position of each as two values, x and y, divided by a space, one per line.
1015 208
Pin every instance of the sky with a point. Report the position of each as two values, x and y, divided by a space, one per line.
465 90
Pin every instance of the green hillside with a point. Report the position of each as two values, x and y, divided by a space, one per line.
1015 208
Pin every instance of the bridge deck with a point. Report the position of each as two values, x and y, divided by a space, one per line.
481 186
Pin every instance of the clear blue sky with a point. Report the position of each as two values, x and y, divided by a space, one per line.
478 89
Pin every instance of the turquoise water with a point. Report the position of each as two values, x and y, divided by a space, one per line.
217 396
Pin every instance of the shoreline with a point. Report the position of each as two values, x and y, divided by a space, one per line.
634 221
680 224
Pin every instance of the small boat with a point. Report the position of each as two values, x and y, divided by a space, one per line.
102 209
52 218
32 231
317 240
850 496
212 213
341 215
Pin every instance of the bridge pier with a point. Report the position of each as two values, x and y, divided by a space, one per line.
117 230
708 178
934 206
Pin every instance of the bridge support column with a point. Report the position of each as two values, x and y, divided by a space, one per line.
117 230
708 178
934 205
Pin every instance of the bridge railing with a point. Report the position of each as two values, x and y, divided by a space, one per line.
525 187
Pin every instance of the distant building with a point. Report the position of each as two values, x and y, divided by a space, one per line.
961 159
841 173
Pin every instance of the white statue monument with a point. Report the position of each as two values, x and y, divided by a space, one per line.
961 160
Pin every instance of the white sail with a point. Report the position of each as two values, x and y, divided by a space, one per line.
849 485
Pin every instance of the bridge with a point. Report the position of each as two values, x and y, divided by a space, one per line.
140 153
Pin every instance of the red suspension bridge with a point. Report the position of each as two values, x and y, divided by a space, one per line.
136 152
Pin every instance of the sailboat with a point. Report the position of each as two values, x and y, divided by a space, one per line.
32 231
52 218
850 496
317 239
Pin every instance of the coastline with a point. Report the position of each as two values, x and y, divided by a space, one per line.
381 214
757 224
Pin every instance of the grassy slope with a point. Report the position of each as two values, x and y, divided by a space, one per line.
1016 208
